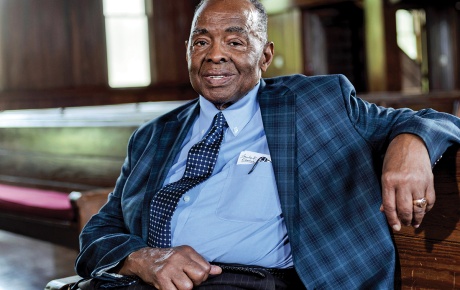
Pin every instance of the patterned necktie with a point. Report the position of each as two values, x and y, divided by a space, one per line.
200 164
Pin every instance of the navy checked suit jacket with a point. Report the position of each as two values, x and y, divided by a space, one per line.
326 147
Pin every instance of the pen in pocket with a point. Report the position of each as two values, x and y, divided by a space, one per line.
261 159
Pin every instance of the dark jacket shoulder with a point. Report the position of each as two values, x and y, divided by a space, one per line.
302 83
182 112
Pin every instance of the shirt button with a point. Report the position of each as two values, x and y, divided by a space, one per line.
235 130
186 198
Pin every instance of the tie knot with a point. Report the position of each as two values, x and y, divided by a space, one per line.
219 120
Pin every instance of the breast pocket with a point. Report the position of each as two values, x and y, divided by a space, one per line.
249 197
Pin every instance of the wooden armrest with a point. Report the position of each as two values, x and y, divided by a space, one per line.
429 256
87 203
62 283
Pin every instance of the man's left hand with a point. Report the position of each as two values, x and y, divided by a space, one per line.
406 177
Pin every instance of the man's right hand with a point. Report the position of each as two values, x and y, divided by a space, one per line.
177 268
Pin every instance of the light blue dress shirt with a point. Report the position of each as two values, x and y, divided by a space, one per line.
232 217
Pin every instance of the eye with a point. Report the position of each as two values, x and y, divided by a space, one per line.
200 43
235 43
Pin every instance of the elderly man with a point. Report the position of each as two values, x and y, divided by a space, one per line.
295 182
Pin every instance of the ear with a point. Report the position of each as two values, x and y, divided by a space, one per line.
186 50
268 52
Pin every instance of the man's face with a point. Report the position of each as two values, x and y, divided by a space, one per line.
226 55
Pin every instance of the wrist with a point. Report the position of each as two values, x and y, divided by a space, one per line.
127 266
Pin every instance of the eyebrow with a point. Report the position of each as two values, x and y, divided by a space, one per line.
237 29
200 31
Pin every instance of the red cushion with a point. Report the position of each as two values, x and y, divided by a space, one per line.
36 202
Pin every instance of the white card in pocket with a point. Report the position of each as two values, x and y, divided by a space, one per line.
249 157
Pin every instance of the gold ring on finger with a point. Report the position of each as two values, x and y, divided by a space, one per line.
422 202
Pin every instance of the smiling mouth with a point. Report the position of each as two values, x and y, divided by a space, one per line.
218 80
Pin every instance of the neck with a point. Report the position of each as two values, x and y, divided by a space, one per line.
222 106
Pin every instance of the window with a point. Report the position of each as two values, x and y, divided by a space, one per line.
408 26
127 40
411 39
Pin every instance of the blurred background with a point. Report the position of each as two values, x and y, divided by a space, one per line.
85 52
78 76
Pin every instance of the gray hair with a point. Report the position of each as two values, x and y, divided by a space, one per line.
263 19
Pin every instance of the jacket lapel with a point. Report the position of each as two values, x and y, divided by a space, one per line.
169 144
277 104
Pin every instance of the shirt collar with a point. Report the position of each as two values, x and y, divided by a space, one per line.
237 115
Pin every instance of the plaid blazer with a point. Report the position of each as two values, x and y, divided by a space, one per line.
326 147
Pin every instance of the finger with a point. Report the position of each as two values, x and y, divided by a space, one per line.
197 272
418 214
198 276
389 207
161 282
165 285
215 270
182 281
420 211
430 196
197 268
405 206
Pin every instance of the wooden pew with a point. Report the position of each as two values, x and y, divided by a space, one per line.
440 101
60 151
429 257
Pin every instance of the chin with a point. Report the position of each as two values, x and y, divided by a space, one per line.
217 96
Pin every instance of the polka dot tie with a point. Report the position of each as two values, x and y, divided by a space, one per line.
200 164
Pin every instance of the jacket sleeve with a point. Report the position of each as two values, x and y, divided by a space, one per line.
119 228
380 125
105 240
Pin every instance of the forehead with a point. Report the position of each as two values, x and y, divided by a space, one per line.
221 14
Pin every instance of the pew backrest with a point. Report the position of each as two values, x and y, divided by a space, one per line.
70 149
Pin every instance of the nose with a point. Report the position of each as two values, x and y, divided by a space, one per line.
216 53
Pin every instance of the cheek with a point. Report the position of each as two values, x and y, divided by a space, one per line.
252 61
194 59
194 72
